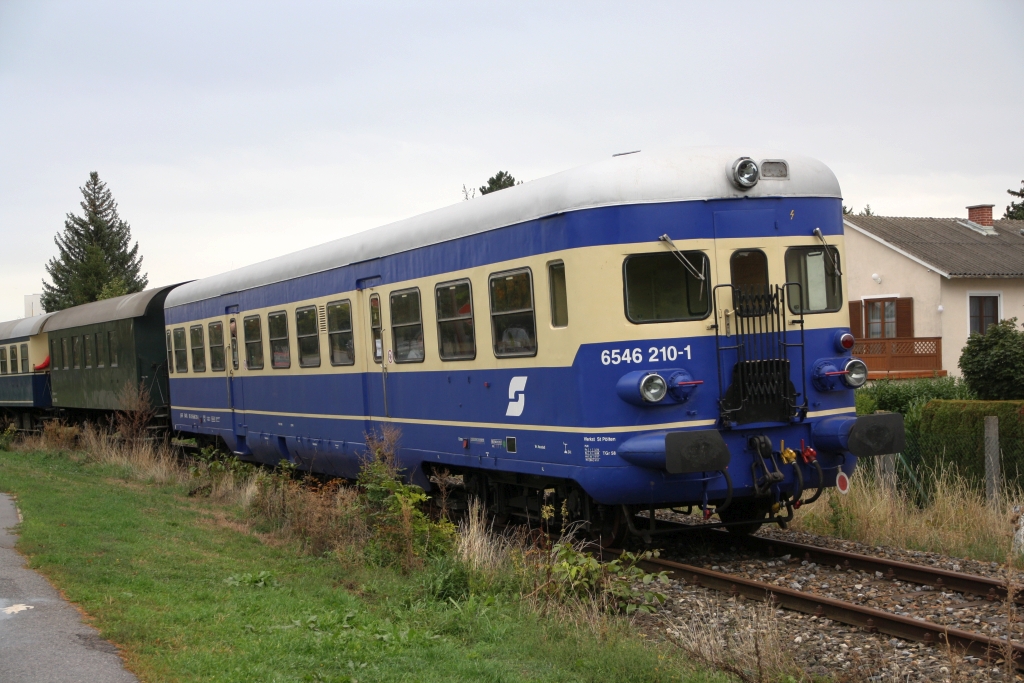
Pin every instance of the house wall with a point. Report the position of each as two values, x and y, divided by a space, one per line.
956 314
901 277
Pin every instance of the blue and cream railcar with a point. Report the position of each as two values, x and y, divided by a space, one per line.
24 370
647 331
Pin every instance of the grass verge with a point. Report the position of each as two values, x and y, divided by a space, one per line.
190 592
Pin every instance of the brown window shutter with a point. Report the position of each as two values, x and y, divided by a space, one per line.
857 319
905 317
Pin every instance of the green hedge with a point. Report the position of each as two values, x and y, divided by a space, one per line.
954 432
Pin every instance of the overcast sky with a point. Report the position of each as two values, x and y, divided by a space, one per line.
233 132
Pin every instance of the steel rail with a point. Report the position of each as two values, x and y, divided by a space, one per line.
868 618
894 570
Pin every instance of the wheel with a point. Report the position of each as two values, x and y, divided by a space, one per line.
608 527
743 510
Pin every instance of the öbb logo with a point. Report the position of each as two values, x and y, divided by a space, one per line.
516 397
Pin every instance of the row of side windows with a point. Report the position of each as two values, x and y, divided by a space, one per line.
14 359
87 351
512 325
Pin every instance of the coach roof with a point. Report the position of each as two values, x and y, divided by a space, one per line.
24 327
693 174
117 308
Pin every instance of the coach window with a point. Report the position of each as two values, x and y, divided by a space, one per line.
198 348
307 336
253 342
667 287
65 357
101 352
88 350
407 326
455 334
14 360
3 361
53 355
817 271
24 358
217 347
559 297
76 352
170 354
277 330
512 321
375 329
180 350
339 333
112 348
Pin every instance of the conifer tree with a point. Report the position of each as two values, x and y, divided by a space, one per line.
96 258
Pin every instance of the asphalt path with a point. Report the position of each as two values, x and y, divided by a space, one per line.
42 637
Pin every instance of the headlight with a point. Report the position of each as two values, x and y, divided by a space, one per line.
653 388
745 172
856 373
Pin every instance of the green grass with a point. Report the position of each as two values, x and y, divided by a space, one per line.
149 566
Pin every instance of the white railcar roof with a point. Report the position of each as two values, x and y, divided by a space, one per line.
23 327
692 174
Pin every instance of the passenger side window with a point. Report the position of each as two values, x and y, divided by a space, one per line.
814 268
65 357
217 347
180 350
3 361
86 343
661 287
101 352
455 331
14 360
407 326
339 333
277 329
54 361
112 348
198 348
24 358
76 352
253 342
559 297
375 329
512 320
308 337
170 354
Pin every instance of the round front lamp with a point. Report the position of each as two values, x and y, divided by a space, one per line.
856 373
745 172
653 388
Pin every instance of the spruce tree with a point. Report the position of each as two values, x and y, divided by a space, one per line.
1015 211
96 257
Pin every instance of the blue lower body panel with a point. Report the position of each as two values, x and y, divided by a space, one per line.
25 391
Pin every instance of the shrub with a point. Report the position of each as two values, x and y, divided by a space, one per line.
901 395
953 432
993 363
7 437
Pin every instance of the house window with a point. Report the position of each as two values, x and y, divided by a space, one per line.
984 311
881 318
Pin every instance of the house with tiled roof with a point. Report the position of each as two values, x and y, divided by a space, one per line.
918 287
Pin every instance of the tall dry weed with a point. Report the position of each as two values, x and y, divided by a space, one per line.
477 544
136 415
955 519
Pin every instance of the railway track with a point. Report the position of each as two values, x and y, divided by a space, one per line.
862 616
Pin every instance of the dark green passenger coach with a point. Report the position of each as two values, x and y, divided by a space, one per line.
96 349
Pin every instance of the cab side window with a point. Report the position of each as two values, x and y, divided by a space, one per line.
817 271
665 287
512 320
455 334
180 351
253 342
